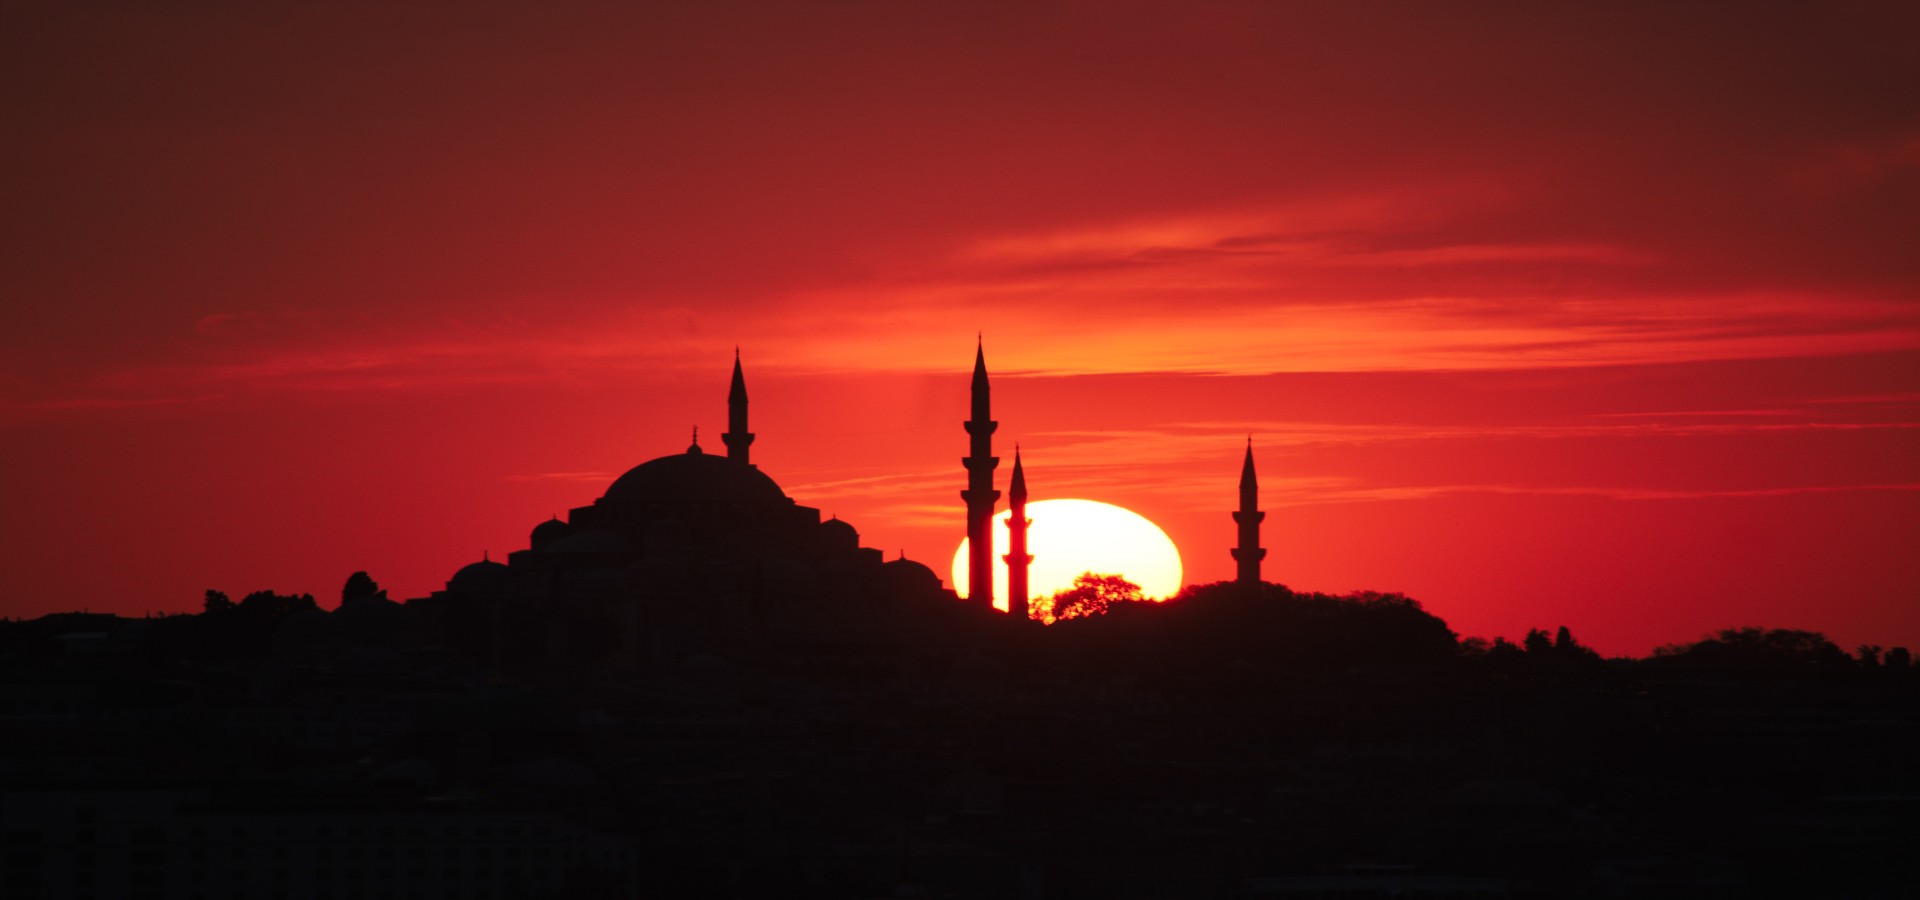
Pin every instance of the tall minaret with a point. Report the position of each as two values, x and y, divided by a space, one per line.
980 495
737 438
1249 553
1017 556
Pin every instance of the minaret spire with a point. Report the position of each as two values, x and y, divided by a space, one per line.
737 438
1249 553
1018 559
980 495
982 392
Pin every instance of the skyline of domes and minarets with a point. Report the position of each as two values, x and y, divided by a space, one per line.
715 512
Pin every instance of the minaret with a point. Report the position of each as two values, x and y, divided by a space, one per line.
980 495
737 438
1249 553
1017 556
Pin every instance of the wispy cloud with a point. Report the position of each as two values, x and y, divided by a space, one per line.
1213 324
1367 281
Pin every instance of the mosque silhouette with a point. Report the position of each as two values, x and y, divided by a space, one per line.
689 552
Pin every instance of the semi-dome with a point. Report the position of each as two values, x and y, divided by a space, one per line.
693 479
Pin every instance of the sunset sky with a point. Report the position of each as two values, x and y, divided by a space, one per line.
1604 315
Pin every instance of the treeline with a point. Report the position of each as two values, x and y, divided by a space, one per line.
1271 627
1224 627
262 623
1781 649
1228 633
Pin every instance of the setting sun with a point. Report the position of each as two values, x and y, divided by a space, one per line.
1069 537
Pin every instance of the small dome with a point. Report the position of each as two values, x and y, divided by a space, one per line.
481 577
695 479
547 532
840 534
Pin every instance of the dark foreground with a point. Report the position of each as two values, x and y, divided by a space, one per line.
1255 747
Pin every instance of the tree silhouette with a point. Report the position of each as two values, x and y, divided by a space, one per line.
360 586
1504 652
1537 655
218 602
1091 595
1277 630
1760 648
267 606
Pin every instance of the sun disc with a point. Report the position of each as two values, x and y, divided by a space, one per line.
1069 537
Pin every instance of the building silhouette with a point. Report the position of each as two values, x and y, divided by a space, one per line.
696 552
1249 553
684 554
980 495
738 439
1017 558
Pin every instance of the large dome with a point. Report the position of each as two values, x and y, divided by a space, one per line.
695 478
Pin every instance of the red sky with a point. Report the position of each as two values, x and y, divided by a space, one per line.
1603 315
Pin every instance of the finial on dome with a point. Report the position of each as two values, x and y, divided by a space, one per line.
484 557
694 448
